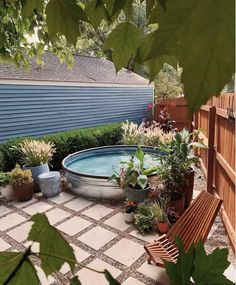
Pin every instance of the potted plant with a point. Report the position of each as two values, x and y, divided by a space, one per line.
130 208
161 218
22 182
5 187
180 158
144 217
36 156
133 177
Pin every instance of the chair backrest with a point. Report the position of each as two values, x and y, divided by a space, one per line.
195 223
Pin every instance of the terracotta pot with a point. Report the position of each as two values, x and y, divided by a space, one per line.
163 227
24 192
188 187
177 201
137 195
129 217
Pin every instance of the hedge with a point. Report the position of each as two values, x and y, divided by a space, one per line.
66 143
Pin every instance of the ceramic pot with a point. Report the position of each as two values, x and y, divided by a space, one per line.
188 187
7 191
50 183
138 195
36 171
24 192
162 227
129 217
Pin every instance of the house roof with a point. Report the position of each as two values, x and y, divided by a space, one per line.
85 70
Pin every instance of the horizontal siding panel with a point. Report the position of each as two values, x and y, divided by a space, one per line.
27 110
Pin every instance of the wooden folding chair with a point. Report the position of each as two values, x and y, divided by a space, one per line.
193 225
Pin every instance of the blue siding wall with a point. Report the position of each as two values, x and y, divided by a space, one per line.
34 110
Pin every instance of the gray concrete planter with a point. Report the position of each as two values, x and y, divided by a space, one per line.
50 183
138 195
36 171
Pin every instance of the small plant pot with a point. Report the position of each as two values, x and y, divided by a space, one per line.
24 192
138 195
50 183
36 171
129 217
162 227
7 191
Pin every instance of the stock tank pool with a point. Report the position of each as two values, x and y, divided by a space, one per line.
87 171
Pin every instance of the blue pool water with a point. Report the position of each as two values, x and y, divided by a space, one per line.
101 162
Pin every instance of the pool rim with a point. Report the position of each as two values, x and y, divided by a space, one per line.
97 148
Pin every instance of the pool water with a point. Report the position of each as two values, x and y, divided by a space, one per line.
102 164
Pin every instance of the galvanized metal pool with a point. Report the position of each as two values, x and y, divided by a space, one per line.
87 171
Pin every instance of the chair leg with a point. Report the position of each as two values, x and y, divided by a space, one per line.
149 261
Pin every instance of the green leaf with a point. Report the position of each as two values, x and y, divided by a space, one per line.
204 48
25 273
156 65
124 41
149 6
28 6
184 150
63 17
96 12
118 5
54 249
75 281
181 271
139 155
110 278
209 268
133 178
197 144
142 181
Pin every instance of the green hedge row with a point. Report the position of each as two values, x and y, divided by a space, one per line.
66 143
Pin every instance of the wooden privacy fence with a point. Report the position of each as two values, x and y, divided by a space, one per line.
218 161
178 109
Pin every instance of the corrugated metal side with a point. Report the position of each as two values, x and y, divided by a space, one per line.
34 110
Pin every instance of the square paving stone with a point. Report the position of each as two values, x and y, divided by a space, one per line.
80 255
10 221
56 215
78 204
38 207
61 198
150 237
97 237
132 281
42 277
230 273
125 251
97 212
20 205
4 245
118 222
88 277
21 232
73 226
154 272
4 210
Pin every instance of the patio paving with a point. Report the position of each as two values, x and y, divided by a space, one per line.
100 237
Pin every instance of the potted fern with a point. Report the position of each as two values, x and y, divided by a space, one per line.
36 156
22 182
133 177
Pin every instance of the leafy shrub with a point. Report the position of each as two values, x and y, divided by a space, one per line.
144 217
20 176
65 143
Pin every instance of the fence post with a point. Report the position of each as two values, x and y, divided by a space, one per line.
211 148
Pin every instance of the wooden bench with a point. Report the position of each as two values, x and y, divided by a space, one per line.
193 225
